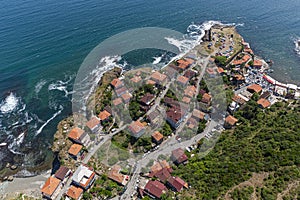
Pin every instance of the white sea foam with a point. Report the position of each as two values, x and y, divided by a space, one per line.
157 60
61 86
39 86
49 120
89 84
9 104
13 146
297 45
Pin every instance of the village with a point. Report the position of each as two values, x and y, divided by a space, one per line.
144 110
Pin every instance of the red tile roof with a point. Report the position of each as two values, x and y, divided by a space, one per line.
50 186
190 91
179 156
264 102
74 192
116 83
75 149
231 120
220 70
126 97
92 123
104 115
182 79
115 175
257 63
157 136
75 133
117 101
158 77
150 82
155 188
206 98
136 126
198 114
186 100
136 79
255 88
177 184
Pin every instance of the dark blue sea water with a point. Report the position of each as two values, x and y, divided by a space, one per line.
42 44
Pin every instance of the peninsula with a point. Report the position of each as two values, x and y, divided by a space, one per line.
215 114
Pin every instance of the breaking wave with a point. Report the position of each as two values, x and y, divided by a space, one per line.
9 104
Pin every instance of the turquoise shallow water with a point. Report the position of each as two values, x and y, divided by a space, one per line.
42 44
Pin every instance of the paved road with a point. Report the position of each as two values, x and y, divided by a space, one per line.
165 149
171 144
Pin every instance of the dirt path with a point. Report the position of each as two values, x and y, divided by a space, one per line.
256 180
291 186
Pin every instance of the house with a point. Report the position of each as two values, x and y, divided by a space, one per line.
182 80
120 91
83 177
74 192
93 124
238 79
136 79
157 137
158 166
75 151
155 189
190 91
176 183
178 156
265 95
150 82
263 103
238 99
153 117
220 70
62 173
117 101
254 88
184 63
147 99
137 128
163 174
170 72
175 115
159 78
199 115
126 97
211 72
51 188
78 135
192 123
104 115
190 74
230 121
115 175
257 63
186 100
206 98
117 83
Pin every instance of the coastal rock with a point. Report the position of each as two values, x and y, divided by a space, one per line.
5 178
10 178
13 167
7 165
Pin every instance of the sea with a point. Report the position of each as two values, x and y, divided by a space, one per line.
43 43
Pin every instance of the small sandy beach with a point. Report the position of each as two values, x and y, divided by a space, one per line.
28 186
